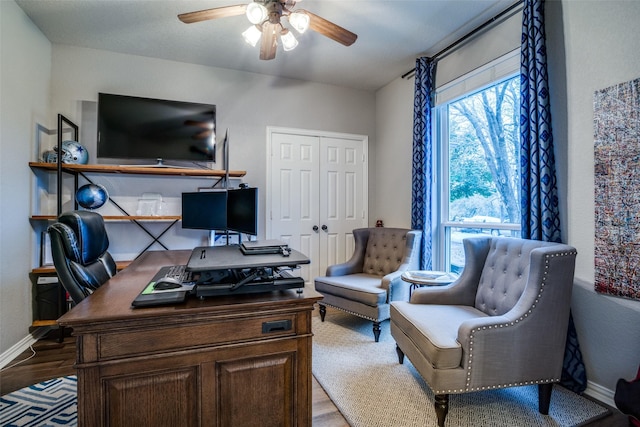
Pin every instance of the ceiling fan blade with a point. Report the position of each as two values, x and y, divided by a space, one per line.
215 13
203 125
268 43
203 135
331 30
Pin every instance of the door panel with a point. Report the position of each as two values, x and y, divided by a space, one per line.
317 181
293 195
135 401
257 391
343 193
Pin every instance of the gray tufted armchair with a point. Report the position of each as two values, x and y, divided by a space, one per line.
370 280
503 323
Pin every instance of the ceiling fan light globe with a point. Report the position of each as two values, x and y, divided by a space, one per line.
256 13
251 35
289 41
299 21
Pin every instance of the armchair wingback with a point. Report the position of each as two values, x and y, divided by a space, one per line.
370 280
79 244
502 323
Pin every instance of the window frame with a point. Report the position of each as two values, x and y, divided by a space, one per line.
499 70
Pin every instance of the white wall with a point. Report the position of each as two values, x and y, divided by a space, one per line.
246 104
394 117
591 45
25 67
391 196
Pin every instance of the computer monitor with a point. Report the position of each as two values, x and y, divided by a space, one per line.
242 210
205 210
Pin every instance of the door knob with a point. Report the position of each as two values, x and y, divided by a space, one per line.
315 228
324 227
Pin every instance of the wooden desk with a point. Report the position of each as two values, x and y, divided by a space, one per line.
221 361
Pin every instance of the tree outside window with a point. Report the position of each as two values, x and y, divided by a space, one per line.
482 142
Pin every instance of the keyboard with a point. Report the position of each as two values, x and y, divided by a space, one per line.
178 272
149 298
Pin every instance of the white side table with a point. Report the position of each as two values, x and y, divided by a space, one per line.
427 278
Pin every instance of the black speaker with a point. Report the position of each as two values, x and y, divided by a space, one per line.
47 301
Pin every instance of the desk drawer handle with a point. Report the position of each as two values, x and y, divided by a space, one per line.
276 326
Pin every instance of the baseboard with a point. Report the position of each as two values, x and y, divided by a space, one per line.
600 393
15 350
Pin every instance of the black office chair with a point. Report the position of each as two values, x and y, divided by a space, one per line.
79 246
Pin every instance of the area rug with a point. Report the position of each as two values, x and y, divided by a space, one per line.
49 403
370 388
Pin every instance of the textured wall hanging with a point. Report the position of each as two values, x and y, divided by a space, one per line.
617 190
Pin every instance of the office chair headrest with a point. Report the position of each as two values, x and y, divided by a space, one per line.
88 239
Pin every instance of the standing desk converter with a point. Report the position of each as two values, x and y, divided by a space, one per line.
231 271
232 360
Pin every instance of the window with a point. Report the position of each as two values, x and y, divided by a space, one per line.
478 146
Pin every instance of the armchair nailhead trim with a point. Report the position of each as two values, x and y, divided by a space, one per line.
504 325
498 386
354 313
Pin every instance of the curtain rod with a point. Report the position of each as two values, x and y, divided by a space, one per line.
469 35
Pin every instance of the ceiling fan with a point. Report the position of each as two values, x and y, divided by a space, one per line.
206 126
266 19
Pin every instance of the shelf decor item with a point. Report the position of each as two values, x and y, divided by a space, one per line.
150 204
92 196
73 152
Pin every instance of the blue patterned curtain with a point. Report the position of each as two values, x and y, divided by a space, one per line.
539 194
422 156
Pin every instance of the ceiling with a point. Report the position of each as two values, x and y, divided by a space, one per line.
391 34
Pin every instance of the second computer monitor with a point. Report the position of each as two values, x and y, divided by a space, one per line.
221 210
242 210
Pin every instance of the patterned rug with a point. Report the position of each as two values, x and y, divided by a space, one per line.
370 388
50 403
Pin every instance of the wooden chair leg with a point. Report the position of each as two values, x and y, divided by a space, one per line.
442 408
400 355
323 312
376 331
544 397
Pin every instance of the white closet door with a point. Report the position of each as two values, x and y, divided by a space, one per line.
293 195
317 194
343 195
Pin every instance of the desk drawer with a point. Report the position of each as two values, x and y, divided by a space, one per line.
162 339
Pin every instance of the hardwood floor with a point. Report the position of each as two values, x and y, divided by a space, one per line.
54 359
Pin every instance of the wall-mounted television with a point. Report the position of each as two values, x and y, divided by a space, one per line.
138 128
222 210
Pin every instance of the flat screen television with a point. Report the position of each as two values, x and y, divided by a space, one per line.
242 210
138 128
205 210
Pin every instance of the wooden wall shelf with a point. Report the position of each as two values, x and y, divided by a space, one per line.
139 170
158 218
40 222
50 269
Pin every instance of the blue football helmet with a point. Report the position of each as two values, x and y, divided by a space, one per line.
74 153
